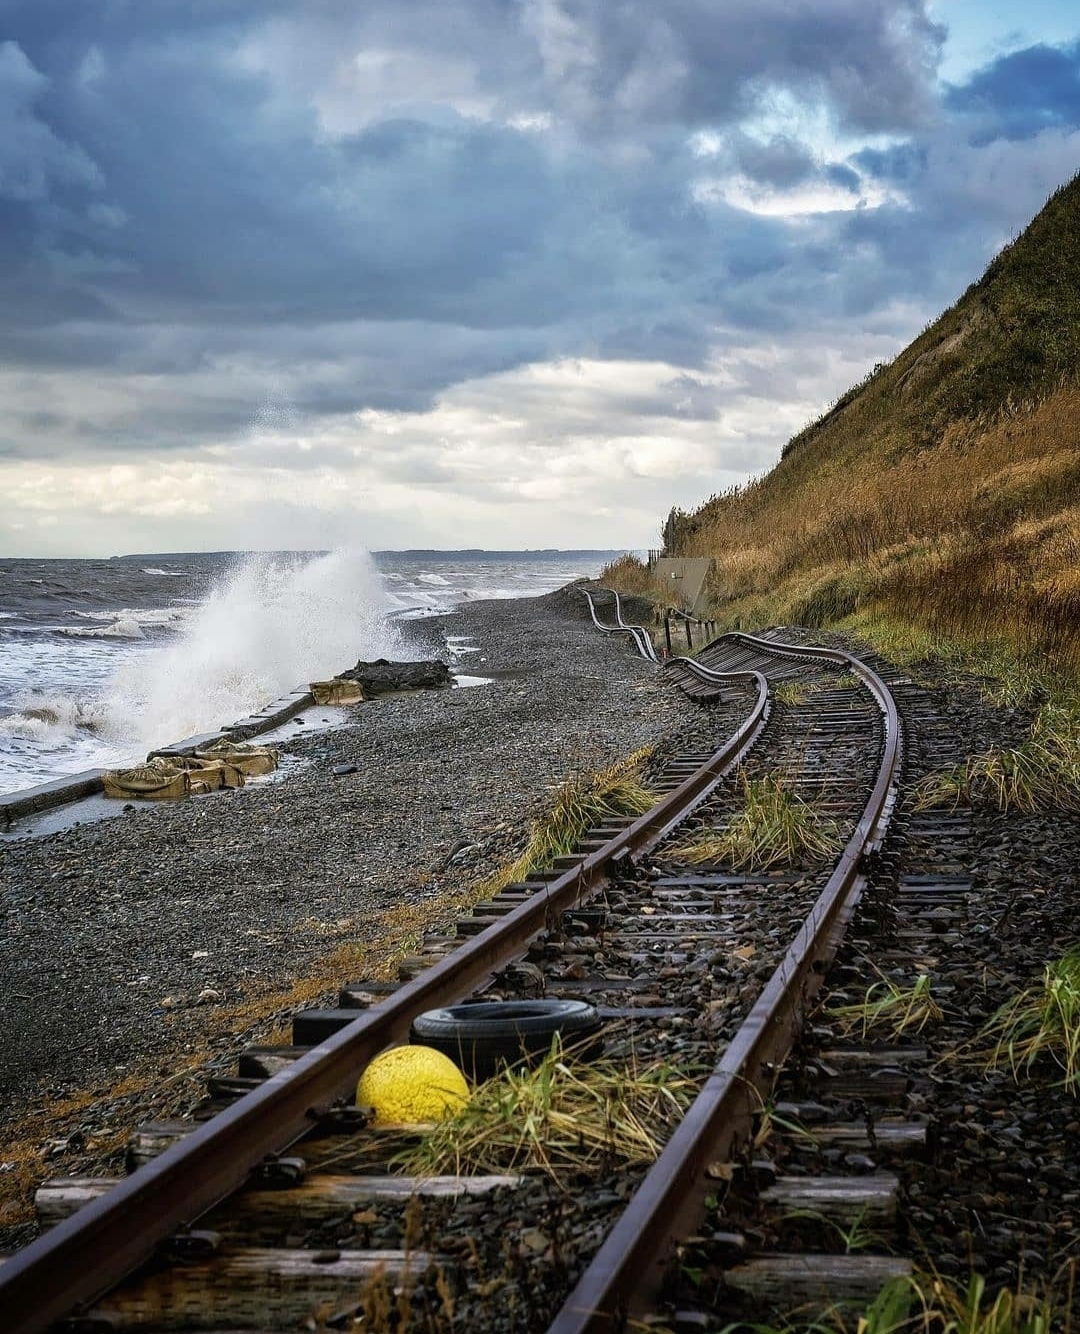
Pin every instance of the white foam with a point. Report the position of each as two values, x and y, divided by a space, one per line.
125 627
168 574
271 625
140 615
49 719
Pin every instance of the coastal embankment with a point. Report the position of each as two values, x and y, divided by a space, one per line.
141 945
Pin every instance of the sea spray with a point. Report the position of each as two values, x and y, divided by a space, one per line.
59 692
273 623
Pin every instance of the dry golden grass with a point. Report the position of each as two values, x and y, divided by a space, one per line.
629 576
561 1116
943 491
979 536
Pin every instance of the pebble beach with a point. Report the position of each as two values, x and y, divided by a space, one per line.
129 938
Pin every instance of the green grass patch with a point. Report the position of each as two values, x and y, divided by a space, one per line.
774 827
889 1007
562 1116
1008 677
927 1303
1040 1026
578 805
1042 773
791 692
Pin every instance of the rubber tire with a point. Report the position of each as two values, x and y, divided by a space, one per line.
483 1038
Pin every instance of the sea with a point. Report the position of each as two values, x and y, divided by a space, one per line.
101 660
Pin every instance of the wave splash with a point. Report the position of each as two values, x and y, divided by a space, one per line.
124 627
49 718
274 623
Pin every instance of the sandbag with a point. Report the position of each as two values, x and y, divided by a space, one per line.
156 780
170 777
209 775
337 692
245 758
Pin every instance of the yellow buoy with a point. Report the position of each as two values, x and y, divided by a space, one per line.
411 1085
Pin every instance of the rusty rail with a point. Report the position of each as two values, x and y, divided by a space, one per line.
81 1258
84 1256
638 633
628 1270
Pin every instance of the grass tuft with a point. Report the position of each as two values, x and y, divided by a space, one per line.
791 692
970 1310
890 1007
1043 773
774 827
927 1303
562 1115
1041 1024
579 804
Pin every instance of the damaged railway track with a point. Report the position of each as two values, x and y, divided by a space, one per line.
685 960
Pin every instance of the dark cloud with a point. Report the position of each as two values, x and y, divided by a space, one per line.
34 161
196 188
873 62
1023 93
898 164
837 173
203 204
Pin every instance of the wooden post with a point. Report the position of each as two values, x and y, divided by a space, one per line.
667 630
689 640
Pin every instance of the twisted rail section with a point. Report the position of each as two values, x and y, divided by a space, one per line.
628 1269
638 633
90 1252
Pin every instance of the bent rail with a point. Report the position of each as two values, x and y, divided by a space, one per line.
87 1254
669 1203
638 633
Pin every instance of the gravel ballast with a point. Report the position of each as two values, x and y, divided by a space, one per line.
297 871
125 935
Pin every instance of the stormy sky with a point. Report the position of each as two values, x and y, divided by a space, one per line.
504 273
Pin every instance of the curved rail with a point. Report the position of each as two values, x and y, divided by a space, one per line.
669 1203
90 1252
93 1250
638 633
643 641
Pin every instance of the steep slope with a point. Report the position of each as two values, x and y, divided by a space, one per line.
945 488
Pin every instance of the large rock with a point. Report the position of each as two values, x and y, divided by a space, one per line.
381 676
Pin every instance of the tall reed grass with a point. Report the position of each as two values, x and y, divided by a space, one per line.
578 805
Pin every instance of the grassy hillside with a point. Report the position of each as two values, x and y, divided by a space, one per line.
944 490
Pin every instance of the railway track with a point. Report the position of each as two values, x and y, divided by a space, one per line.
226 1222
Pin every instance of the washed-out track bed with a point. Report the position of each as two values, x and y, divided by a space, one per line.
282 1209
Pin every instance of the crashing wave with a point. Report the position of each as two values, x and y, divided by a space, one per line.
126 627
